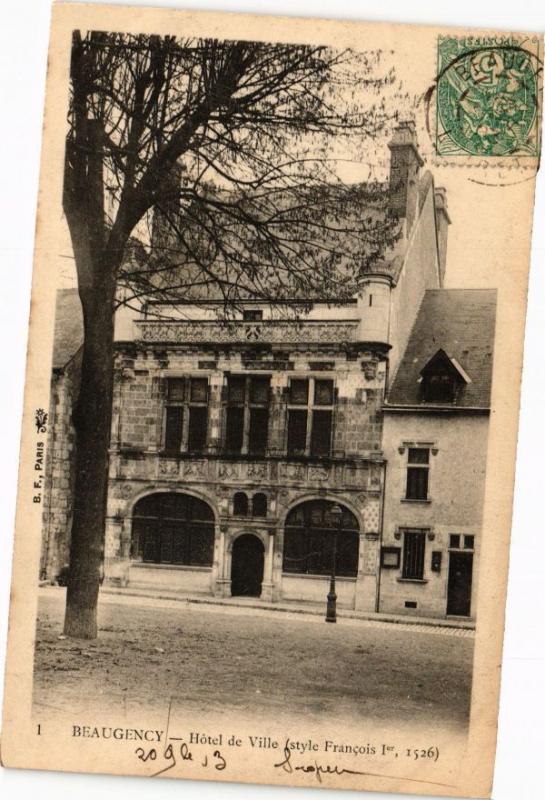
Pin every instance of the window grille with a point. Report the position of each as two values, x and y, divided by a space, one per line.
309 541
172 528
413 554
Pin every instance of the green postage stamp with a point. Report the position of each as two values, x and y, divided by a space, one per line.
488 91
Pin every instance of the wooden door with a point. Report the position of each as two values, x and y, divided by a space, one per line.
459 584
247 566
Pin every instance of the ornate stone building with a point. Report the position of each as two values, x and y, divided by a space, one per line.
232 441
239 438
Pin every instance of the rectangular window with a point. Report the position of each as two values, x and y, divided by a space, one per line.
418 473
236 389
176 390
454 541
259 391
259 424
247 414
469 542
310 429
234 429
252 315
199 390
186 415
320 441
173 430
198 417
298 392
413 555
297 432
323 393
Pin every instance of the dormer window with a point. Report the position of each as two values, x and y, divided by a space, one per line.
439 389
442 379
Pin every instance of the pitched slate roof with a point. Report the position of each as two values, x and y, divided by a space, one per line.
68 334
361 200
461 322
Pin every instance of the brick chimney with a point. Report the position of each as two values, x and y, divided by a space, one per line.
164 239
405 163
442 221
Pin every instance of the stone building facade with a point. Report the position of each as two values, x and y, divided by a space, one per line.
290 423
435 432
59 466
233 443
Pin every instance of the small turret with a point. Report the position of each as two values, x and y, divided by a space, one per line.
374 309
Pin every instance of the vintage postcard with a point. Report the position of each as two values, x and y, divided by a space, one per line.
271 403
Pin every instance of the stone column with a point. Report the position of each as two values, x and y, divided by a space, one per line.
222 584
267 585
277 415
366 581
156 413
116 553
214 412
278 551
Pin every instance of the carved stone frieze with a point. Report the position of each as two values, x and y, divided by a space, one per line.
123 490
276 331
318 474
168 468
194 469
226 470
292 472
256 471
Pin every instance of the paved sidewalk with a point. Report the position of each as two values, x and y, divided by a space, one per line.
314 609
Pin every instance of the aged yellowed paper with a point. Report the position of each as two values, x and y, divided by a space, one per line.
272 398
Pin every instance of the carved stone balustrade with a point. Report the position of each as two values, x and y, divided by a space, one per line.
242 332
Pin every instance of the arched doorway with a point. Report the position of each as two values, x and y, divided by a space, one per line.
247 566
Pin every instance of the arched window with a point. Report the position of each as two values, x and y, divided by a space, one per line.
171 528
309 540
259 505
240 504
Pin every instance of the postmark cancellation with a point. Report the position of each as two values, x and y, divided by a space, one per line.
488 96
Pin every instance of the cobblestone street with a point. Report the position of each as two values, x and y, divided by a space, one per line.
222 659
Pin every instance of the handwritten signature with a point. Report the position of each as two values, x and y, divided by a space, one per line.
317 769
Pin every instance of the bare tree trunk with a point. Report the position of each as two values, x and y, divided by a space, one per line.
92 422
